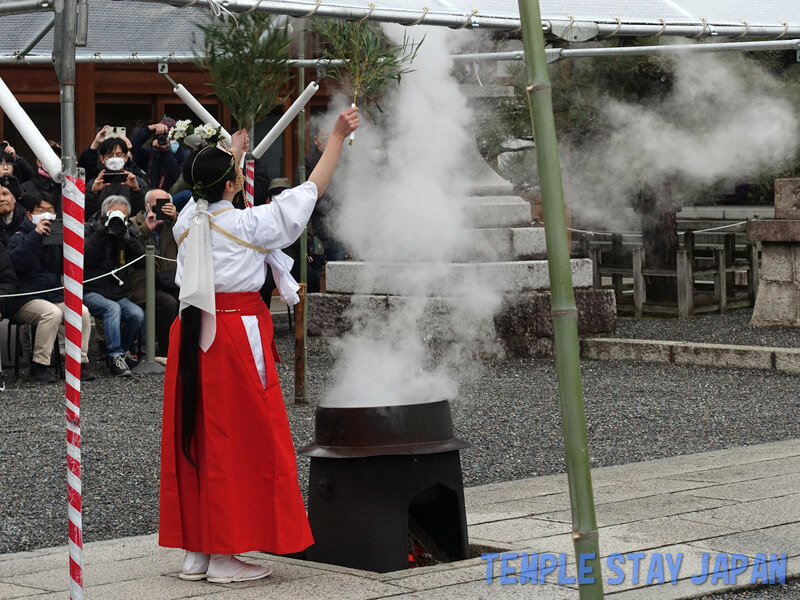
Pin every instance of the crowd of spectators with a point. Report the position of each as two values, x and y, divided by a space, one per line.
134 192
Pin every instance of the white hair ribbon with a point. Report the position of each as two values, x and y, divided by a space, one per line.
197 287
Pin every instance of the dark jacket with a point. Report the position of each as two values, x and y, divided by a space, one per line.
165 269
8 279
88 161
103 253
40 187
161 166
8 229
135 197
39 267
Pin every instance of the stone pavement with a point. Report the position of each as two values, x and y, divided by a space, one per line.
743 500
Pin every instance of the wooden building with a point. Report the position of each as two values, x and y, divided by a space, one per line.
128 95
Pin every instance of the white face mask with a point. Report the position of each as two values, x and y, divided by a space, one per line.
46 216
115 163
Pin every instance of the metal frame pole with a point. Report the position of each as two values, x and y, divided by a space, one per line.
565 315
301 358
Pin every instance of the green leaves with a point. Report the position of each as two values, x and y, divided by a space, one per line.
247 61
372 60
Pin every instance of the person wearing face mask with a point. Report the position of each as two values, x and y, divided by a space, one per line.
110 242
159 157
41 186
130 182
12 212
39 267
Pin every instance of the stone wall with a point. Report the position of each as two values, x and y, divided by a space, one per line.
522 326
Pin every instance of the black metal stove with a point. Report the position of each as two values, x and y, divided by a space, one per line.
385 481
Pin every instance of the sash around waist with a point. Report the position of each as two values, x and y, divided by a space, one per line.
245 303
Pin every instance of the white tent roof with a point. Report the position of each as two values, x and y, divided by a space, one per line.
703 18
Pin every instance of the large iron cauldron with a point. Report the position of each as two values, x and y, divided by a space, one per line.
383 479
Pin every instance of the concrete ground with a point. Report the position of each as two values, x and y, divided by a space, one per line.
744 500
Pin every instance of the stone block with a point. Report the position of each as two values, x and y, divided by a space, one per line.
722 355
597 311
482 212
528 242
787 360
447 279
777 262
776 304
515 243
632 350
787 198
774 231
522 323
796 262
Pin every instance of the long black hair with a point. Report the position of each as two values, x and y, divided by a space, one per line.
206 171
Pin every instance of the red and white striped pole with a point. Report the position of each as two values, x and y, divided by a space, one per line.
249 179
73 191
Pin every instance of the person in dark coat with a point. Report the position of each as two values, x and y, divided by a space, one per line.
8 282
158 232
40 265
112 242
41 186
13 164
12 212
114 157
161 161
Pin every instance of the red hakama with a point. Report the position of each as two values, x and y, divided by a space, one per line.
244 495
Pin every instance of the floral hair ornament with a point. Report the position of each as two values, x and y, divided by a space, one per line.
193 137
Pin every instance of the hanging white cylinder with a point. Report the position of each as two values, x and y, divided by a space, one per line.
199 110
284 121
30 133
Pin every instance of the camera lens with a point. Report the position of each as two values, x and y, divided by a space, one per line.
162 139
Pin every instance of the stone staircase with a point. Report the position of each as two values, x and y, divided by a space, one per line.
505 252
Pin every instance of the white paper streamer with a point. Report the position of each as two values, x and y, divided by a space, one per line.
284 121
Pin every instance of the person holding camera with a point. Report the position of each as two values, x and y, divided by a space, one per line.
159 157
112 242
118 176
155 227
38 258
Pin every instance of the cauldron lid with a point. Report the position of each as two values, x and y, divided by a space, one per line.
351 432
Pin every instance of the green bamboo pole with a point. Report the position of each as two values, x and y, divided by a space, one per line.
565 315
301 360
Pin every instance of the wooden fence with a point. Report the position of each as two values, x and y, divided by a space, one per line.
715 274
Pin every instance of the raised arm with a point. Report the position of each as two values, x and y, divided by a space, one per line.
346 124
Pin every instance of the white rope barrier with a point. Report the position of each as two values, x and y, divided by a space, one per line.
626 234
112 272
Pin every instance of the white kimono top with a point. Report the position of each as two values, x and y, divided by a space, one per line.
238 268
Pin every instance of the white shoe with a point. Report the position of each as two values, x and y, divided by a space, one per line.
195 565
226 568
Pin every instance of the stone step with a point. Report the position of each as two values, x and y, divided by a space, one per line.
491 212
450 279
511 243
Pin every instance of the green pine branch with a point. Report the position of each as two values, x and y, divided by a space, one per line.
372 61
247 60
